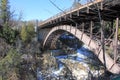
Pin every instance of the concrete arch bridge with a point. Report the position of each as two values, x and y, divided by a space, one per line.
93 24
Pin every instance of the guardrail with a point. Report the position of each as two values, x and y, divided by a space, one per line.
68 11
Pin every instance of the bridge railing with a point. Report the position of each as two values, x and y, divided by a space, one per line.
69 11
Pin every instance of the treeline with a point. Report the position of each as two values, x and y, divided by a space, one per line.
15 41
12 27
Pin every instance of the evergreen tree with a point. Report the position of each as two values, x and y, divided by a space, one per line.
24 34
27 32
5 16
5 12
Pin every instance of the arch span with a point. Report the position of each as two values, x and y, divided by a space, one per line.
92 44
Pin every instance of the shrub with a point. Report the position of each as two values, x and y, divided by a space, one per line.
8 34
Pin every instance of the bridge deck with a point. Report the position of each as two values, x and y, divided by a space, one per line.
109 9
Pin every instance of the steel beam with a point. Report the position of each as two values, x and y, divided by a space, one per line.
116 41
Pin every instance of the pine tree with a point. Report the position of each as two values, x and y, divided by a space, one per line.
5 12
27 32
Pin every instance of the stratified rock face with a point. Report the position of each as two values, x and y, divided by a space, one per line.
68 68
48 62
4 48
79 70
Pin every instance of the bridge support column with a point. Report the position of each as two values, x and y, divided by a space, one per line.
91 29
83 24
103 42
116 41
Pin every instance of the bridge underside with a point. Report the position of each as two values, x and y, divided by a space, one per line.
109 10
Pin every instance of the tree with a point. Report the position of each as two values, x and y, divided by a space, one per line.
30 30
8 65
5 12
5 20
23 33
27 32
8 34
76 4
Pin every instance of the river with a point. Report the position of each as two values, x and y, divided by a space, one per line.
77 63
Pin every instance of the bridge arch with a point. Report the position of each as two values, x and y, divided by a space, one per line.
92 44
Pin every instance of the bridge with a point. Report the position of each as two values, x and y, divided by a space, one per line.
95 24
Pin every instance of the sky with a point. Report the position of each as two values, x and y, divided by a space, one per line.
39 9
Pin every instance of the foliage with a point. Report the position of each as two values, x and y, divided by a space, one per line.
8 34
23 34
30 29
119 34
5 15
8 16
76 4
114 25
8 64
27 32
5 11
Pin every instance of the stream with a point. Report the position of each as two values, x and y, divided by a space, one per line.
77 63
82 65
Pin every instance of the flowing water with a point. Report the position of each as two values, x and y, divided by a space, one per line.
80 64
